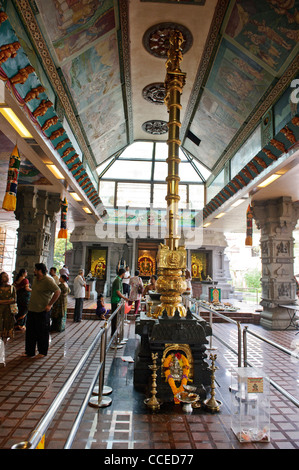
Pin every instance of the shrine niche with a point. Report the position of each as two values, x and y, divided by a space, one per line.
98 263
146 265
147 256
199 265
177 350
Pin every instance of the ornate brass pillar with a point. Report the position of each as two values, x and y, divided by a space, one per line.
171 258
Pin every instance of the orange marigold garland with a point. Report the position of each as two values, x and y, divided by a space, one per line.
168 377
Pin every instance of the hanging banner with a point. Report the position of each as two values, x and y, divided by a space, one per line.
63 224
10 198
249 217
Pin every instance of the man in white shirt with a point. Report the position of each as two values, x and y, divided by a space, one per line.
126 282
79 294
64 270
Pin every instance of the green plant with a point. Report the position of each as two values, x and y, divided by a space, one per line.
61 246
253 278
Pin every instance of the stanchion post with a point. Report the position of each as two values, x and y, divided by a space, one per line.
99 401
123 316
122 340
245 346
118 344
126 315
211 348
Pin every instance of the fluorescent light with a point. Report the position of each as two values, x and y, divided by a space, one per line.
75 196
220 215
13 119
269 180
207 224
55 172
237 203
87 210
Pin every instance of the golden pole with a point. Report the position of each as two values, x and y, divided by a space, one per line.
174 82
171 259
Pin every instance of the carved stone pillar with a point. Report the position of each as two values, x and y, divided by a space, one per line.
36 212
276 218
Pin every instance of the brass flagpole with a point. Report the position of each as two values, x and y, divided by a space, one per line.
171 259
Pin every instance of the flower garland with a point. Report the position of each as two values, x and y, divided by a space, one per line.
184 363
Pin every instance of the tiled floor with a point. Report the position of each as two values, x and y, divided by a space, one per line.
28 386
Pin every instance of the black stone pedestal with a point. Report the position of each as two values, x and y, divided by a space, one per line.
177 332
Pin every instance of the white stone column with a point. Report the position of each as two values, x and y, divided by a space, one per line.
276 218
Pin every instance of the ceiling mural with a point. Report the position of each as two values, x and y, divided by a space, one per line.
94 73
268 30
259 41
73 25
84 39
100 63
215 126
237 81
102 116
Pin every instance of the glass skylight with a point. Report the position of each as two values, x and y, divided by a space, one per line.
137 178
138 150
129 170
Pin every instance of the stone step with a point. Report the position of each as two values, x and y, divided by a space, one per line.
242 317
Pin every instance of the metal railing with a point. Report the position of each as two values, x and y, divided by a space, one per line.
284 392
117 340
243 336
43 425
251 295
199 304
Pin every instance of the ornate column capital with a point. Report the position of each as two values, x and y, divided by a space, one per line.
275 215
36 212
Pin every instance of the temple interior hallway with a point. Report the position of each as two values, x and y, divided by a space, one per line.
28 386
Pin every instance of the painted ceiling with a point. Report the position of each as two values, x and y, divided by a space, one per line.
102 65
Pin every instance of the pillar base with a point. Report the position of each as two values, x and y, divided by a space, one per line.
277 319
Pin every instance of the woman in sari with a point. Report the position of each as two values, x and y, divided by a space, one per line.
23 289
59 310
7 297
136 291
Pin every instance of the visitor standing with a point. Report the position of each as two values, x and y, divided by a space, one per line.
126 282
152 285
23 290
79 294
7 298
44 294
64 270
188 279
54 275
136 291
116 296
59 310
